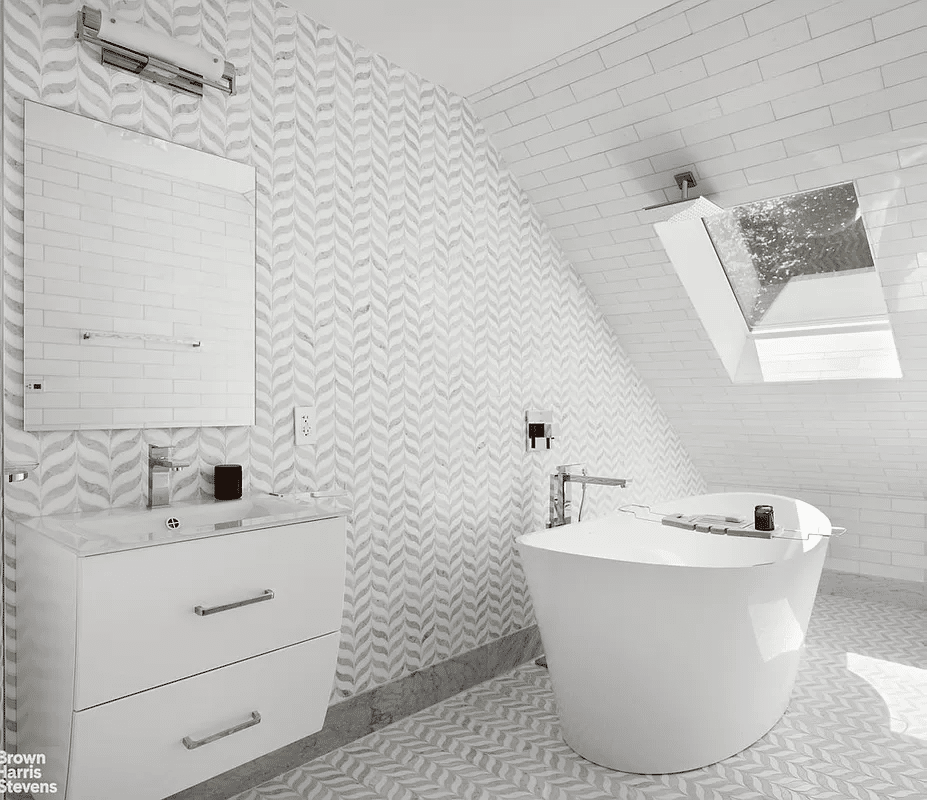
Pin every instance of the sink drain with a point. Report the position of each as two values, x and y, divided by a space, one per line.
172 522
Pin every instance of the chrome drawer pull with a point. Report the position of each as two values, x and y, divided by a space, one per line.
192 744
202 611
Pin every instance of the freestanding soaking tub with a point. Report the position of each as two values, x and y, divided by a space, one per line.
671 649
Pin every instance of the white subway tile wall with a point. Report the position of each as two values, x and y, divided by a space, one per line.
128 261
759 99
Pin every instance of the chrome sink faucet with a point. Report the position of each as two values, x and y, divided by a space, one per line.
160 468
561 501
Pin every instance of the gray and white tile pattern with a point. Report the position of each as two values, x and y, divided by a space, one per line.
405 287
856 729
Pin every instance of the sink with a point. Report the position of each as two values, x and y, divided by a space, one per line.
186 516
94 532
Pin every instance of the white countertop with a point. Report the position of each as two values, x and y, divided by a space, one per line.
88 533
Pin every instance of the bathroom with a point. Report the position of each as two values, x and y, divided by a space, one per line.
431 262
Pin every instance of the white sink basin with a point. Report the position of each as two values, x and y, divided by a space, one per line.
184 516
93 532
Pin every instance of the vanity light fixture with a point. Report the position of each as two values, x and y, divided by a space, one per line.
152 55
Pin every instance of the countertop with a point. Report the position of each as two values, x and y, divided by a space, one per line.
89 533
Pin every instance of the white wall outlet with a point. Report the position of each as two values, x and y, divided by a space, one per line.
304 422
35 384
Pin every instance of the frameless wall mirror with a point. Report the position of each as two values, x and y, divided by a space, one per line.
138 281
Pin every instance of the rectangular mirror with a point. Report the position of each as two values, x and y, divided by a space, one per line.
138 280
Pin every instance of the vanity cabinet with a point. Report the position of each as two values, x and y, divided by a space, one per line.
147 669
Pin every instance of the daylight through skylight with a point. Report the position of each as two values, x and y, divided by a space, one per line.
786 288
799 260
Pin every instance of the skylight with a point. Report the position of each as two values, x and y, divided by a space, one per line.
802 259
801 273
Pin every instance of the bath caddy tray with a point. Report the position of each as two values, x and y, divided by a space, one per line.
720 524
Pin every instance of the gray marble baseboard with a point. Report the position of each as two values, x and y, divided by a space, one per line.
364 713
873 587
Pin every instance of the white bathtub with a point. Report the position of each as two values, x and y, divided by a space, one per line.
671 649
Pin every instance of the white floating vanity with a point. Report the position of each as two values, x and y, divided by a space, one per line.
157 648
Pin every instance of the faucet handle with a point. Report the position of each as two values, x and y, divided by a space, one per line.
571 469
158 451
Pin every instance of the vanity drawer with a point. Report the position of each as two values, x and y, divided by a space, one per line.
134 747
137 623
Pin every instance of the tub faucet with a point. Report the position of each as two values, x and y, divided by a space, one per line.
561 501
160 468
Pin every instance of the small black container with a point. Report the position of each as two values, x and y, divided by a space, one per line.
763 518
228 481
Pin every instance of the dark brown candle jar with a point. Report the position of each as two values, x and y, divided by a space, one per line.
228 481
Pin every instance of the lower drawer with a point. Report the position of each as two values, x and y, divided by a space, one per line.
149 745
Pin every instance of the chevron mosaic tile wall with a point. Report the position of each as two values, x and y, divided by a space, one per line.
405 287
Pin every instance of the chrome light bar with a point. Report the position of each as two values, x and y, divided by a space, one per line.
180 66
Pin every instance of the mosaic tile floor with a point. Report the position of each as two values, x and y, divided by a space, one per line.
856 728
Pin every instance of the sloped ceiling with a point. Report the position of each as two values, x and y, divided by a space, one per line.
759 99
467 46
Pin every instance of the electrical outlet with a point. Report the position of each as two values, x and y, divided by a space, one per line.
35 384
304 424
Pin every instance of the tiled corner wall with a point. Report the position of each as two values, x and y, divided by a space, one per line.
759 98
405 287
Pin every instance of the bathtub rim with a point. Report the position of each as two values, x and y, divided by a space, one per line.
809 544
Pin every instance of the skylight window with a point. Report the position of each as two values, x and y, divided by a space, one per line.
802 259
800 270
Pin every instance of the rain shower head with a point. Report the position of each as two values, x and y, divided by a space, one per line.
684 208
683 180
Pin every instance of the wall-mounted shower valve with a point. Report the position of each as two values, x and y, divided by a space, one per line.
539 430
